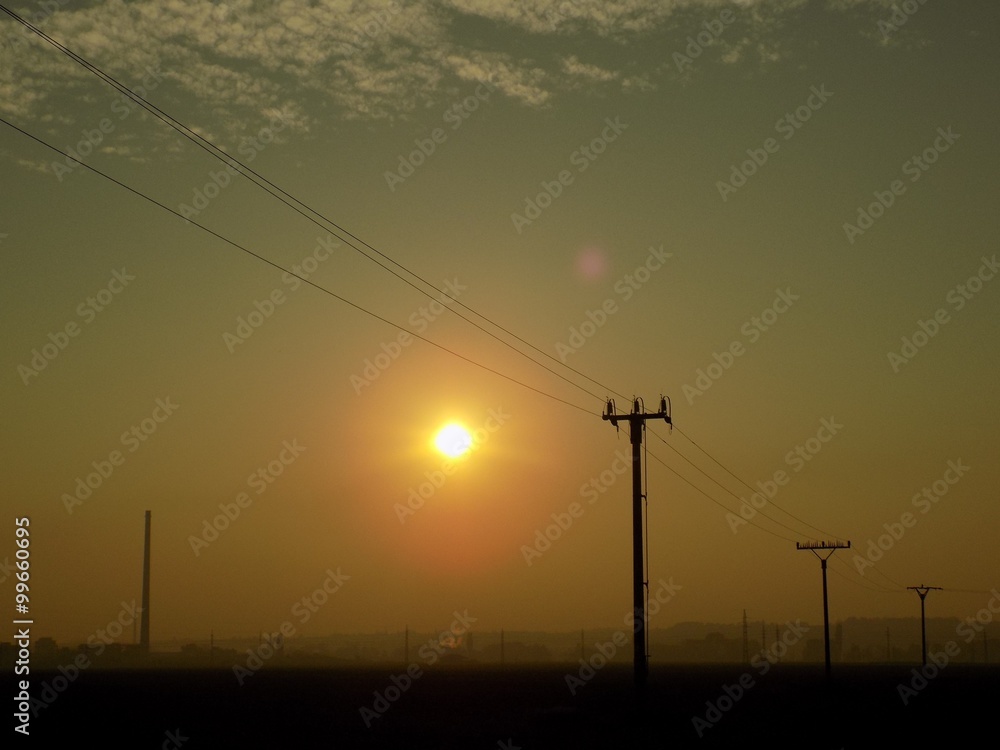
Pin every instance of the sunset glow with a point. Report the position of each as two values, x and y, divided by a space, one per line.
453 440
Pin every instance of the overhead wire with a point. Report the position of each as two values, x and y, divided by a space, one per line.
288 199
285 197
280 267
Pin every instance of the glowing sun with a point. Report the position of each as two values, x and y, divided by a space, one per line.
453 440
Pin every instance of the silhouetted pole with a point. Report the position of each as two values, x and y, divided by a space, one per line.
922 592
830 548
746 640
144 627
637 423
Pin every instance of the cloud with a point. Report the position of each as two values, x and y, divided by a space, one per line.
234 62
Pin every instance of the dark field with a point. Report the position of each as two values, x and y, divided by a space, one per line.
469 707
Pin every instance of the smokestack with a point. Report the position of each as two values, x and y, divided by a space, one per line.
144 627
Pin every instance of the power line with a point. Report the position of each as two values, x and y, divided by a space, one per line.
288 199
742 501
278 266
285 198
698 489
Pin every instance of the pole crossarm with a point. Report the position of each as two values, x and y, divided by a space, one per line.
817 548
922 591
637 423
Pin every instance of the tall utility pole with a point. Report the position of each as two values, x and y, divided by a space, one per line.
922 592
746 640
144 626
818 549
636 425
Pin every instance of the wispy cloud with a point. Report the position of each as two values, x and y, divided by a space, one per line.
242 59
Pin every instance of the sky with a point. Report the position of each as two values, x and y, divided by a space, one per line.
779 214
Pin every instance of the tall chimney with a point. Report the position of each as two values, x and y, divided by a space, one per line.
144 627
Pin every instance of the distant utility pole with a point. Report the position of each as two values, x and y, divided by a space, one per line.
636 425
922 592
746 640
818 548
144 625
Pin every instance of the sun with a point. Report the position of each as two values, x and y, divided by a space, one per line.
453 440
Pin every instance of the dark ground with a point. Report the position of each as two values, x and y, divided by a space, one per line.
517 707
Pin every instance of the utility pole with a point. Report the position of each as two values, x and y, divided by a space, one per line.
636 425
818 549
922 592
144 625
746 640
